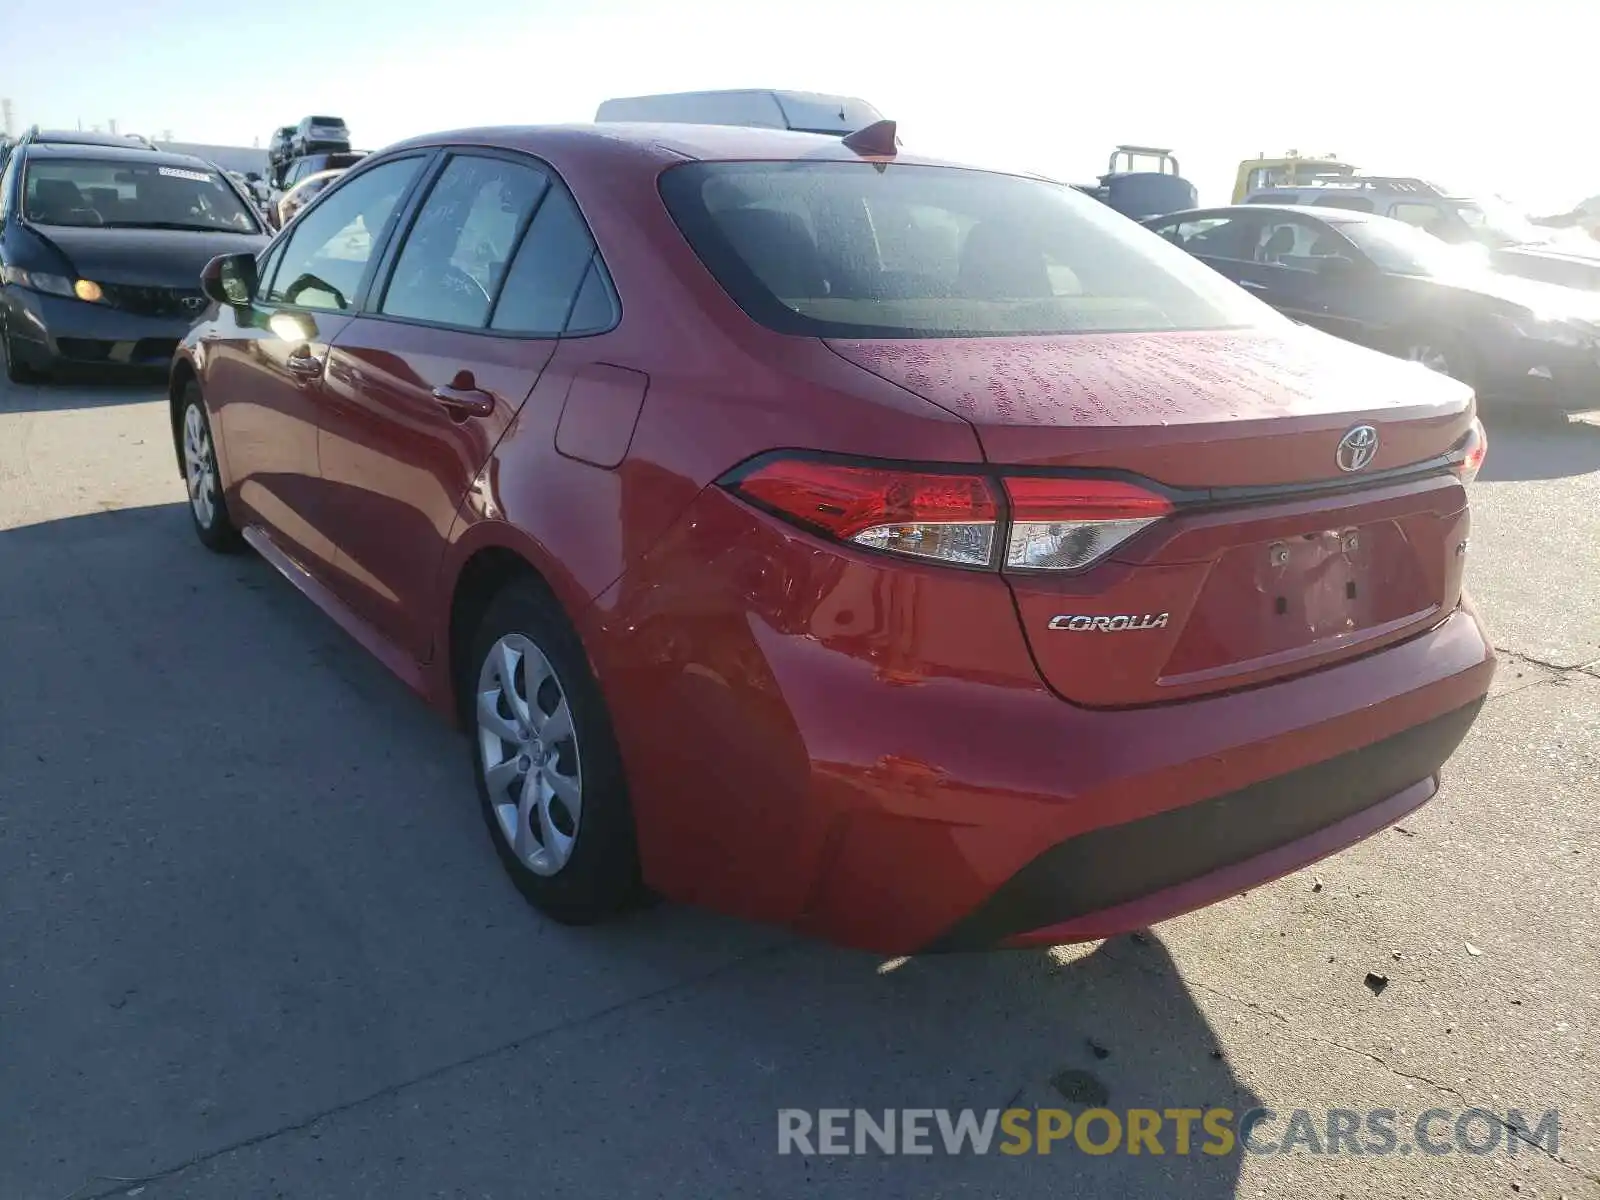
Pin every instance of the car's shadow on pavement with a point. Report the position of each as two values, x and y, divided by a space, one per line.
1529 445
254 931
81 388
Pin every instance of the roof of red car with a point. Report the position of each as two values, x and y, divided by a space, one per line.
663 142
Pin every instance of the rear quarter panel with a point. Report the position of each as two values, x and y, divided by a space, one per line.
718 389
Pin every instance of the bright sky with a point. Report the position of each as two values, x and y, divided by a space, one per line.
1478 95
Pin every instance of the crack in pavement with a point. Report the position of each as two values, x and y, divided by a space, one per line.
126 1182
1559 674
1558 668
1522 1135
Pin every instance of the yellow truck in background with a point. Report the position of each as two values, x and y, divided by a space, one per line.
1291 170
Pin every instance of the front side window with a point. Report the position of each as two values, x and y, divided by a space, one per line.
332 241
1298 244
120 194
854 249
266 265
1399 249
455 255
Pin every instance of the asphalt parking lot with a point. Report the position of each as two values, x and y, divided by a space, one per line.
254 941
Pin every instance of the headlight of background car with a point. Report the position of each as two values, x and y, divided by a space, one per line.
1575 334
53 285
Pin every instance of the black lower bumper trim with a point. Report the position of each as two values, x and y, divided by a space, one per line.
1113 865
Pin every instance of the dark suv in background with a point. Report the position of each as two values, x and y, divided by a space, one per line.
278 150
307 165
319 133
101 245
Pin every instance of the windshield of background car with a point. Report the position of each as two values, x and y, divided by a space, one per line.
1400 249
846 249
125 195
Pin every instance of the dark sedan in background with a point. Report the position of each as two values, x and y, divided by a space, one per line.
101 248
1385 284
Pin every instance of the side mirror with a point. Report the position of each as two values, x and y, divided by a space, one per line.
230 279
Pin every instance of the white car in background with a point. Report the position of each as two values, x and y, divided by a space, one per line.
761 108
301 194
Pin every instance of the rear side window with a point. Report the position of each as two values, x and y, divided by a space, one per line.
548 276
855 249
595 309
457 250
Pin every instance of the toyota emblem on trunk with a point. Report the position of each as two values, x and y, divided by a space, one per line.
193 303
1357 448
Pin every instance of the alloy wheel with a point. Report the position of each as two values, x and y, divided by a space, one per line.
200 466
529 752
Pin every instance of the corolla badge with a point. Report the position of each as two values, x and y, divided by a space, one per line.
1121 623
1357 448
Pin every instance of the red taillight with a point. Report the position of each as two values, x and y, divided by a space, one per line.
1055 524
1469 455
952 518
1067 524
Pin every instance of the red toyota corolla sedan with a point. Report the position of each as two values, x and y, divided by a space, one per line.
921 557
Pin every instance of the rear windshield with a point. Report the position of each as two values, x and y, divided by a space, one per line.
327 121
126 195
848 249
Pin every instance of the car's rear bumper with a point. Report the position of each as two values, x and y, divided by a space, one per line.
1163 810
1123 877
49 331
865 752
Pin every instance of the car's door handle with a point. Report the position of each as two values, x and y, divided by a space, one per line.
308 366
467 402
1252 285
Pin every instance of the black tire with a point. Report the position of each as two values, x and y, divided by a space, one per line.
212 524
600 877
17 371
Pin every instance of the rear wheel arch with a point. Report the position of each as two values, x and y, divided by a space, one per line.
486 573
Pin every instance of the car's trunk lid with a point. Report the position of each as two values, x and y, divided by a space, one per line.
1222 409
1277 559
